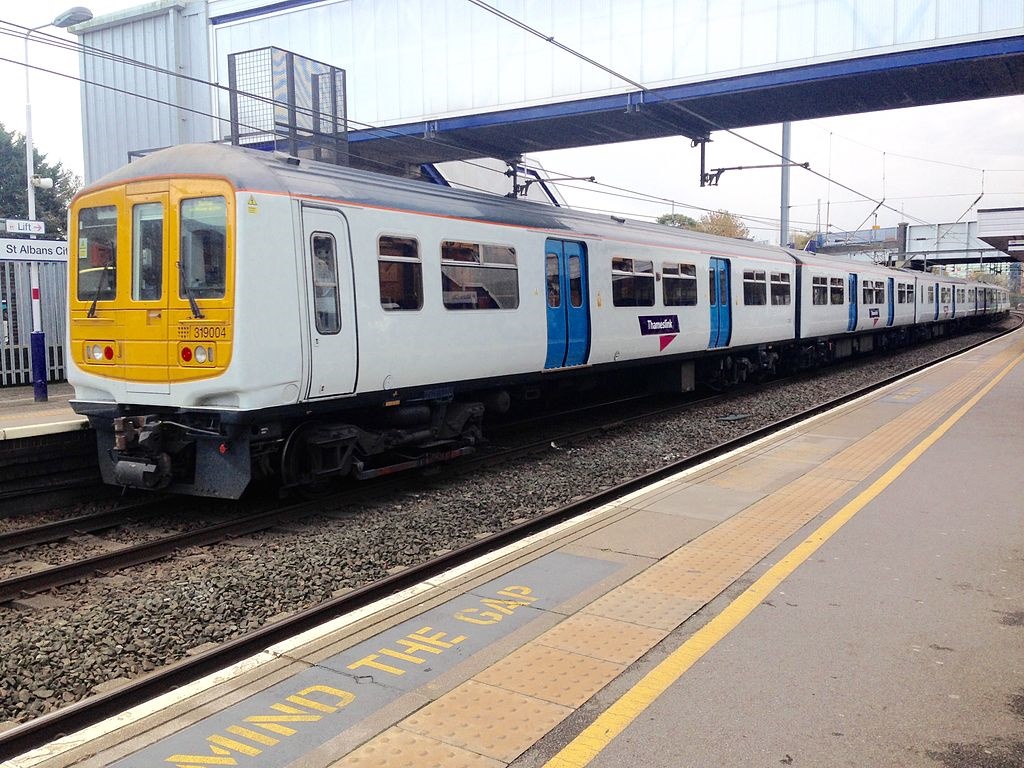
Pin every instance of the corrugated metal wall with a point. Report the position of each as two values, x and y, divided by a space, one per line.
168 35
16 326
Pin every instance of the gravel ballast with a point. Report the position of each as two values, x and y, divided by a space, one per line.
133 622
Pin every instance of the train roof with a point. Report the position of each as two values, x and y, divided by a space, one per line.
254 170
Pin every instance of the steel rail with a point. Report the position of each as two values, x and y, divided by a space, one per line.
62 529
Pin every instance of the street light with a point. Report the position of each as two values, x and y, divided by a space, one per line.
75 15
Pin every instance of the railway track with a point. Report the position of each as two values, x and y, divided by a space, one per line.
90 710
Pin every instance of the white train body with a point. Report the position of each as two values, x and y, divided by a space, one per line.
340 315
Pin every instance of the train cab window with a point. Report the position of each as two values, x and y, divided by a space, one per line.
679 285
147 251
97 253
819 291
780 286
632 282
755 291
400 273
325 284
836 291
479 276
203 256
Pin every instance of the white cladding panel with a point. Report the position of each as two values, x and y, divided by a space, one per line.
409 60
412 60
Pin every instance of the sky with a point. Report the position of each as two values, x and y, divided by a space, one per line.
929 164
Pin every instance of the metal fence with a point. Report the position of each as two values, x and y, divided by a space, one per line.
16 326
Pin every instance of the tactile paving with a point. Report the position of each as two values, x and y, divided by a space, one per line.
488 720
645 607
602 638
551 674
399 748
748 535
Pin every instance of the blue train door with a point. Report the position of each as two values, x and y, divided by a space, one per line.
891 300
565 275
851 325
721 304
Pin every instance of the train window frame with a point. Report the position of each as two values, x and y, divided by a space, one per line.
632 282
97 256
401 255
147 266
679 284
819 290
931 294
480 266
755 287
323 249
780 290
879 292
202 274
836 291
945 294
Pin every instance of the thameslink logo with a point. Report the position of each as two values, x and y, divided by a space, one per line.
656 325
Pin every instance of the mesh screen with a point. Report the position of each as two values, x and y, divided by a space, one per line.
281 100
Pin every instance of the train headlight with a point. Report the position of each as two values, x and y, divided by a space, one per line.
200 354
95 351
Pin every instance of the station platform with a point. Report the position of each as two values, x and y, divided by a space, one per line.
847 592
21 416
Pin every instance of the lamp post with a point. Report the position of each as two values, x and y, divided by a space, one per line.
75 15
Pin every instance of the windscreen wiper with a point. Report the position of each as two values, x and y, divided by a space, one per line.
188 292
99 289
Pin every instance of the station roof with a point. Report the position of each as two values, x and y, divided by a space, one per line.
960 72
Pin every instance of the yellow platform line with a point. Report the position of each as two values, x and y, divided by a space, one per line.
593 739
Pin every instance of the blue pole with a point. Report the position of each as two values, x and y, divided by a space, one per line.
39 366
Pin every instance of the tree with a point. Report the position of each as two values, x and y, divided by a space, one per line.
51 204
678 220
800 239
724 224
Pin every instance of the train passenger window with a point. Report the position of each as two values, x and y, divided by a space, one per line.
400 273
325 283
780 288
879 292
904 293
147 251
97 253
679 285
931 294
575 281
945 294
551 277
819 291
754 289
479 276
632 282
203 255
837 291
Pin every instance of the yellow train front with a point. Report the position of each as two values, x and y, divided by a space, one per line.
152 305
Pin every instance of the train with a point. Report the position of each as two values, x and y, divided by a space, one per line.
237 314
